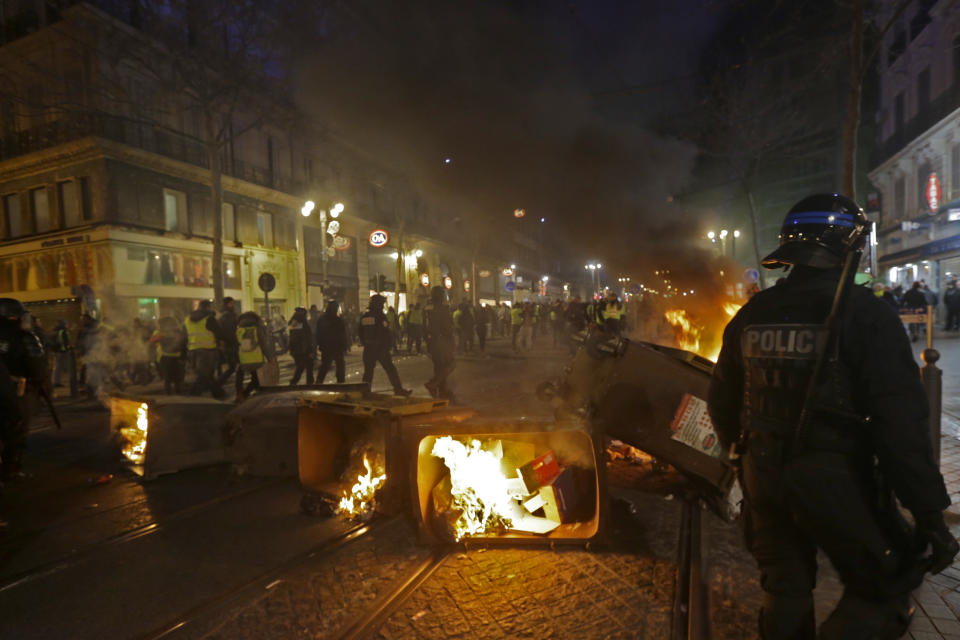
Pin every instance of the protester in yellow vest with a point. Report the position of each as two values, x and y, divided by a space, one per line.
253 351
415 327
203 331
611 312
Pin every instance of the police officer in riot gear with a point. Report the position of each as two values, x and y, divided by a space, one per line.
24 368
377 340
828 481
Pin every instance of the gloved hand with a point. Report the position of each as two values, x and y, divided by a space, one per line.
933 531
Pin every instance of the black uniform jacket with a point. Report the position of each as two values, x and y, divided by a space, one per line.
884 383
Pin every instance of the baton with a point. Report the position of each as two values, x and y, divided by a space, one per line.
53 412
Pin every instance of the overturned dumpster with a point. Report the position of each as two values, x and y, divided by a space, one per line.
653 398
261 434
349 449
165 434
463 478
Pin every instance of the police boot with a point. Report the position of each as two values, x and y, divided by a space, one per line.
786 618
857 618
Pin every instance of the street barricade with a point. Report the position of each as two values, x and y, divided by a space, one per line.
349 449
260 434
163 434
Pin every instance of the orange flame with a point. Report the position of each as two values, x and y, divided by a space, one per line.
689 334
360 500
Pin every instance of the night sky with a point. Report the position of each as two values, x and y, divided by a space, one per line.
552 106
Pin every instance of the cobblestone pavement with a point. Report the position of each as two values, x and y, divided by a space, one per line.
326 595
625 591
937 601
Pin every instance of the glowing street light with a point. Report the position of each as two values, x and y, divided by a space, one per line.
712 236
418 253
332 228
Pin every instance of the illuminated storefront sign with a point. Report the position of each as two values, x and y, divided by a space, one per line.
379 238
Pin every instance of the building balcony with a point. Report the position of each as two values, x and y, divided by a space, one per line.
938 109
142 136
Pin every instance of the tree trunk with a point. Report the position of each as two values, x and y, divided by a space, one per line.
851 123
216 203
753 225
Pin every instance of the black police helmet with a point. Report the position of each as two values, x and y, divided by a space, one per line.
11 308
818 232
377 301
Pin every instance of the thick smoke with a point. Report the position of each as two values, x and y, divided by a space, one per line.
504 91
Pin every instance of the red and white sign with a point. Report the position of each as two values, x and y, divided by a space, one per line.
933 193
484 273
448 282
341 243
379 238
507 272
424 279
466 286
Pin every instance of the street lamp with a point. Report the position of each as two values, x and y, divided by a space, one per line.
332 228
594 268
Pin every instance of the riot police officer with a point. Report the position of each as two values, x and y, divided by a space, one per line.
828 481
377 340
25 367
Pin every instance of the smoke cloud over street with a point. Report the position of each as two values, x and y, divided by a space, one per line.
490 111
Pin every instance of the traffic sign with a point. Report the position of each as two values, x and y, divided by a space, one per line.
379 238
510 286
267 282
751 275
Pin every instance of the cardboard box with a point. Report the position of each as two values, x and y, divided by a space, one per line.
560 497
540 471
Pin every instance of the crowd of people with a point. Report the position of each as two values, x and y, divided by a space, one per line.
919 297
217 345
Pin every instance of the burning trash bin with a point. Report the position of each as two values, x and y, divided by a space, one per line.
165 434
510 482
349 449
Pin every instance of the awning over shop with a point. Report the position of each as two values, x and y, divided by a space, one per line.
927 250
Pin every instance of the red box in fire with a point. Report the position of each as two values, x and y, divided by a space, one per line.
540 471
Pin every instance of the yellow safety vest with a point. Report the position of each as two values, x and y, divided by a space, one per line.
456 318
198 336
516 316
249 351
161 351
612 311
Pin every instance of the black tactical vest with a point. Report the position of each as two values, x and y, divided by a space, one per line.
778 360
